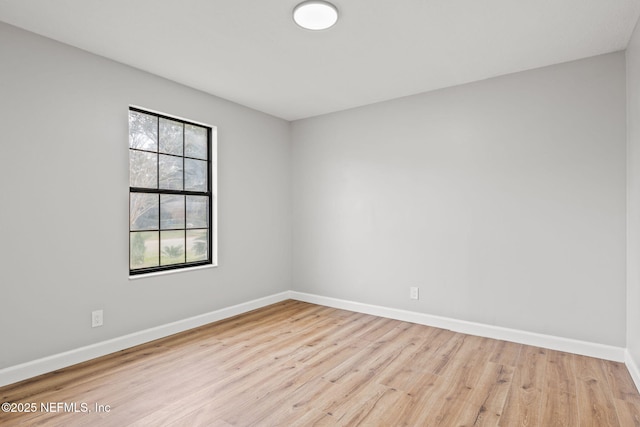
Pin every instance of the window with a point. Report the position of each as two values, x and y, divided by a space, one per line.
171 194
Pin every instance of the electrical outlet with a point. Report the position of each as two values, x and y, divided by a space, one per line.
414 293
96 318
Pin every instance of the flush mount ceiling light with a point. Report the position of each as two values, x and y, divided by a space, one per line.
315 15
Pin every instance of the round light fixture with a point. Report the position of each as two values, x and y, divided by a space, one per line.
315 15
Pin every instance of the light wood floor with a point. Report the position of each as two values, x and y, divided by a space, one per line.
299 364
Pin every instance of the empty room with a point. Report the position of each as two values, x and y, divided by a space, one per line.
338 213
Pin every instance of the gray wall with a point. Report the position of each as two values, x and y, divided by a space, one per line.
64 210
633 182
502 200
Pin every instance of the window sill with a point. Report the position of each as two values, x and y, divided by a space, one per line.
164 273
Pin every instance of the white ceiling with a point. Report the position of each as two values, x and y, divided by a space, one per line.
251 52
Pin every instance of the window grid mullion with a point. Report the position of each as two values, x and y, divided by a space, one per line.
210 191
184 177
175 192
159 196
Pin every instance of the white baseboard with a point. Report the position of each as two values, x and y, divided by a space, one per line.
47 364
585 348
31 369
633 368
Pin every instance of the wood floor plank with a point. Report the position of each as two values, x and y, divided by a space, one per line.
446 346
368 407
407 368
300 364
560 371
525 399
620 381
559 408
506 353
485 404
559 395
423 394
461 380
628 413
595 398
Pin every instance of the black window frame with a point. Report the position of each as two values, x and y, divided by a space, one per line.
211 229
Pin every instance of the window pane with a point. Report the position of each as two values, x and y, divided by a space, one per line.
197 245
171 211
195 141
143 169
195 175
171 140
170 172
143 249
172 244
197 211
143 131
143 211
